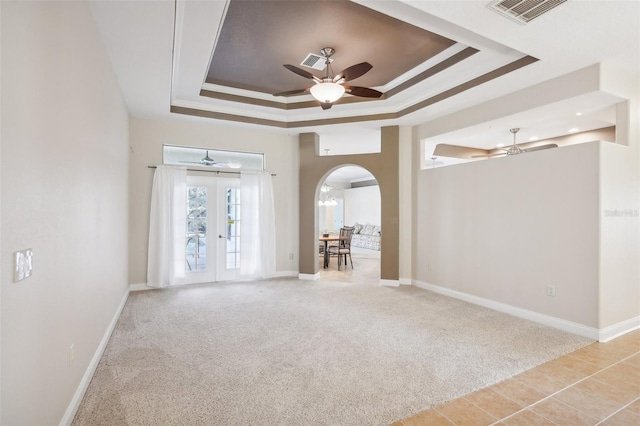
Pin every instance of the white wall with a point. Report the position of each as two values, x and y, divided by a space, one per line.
64 195
331 218
602 291
505 228
362 205
619 236
281 158
578 83
343 141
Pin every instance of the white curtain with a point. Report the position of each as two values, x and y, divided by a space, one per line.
167 227
257 226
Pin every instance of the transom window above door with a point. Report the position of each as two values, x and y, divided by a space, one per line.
211 158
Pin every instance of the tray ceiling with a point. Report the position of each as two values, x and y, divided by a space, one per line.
258 37
415 64
162 53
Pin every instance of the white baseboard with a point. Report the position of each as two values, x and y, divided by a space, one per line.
315 276
568 326
617 330
67 419
139 287
390 283
405 281
279 274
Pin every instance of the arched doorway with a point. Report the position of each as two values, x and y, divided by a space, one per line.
384 166
350 196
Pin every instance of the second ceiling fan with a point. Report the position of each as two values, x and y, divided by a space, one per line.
515 149
207 161
331 88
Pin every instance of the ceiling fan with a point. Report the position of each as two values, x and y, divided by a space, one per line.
210 162
515 149
331 88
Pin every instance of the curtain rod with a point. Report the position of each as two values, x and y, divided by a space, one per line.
210 171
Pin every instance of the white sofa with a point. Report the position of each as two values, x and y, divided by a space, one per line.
366 236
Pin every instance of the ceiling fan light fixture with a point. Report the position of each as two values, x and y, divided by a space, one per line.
327 91
514 150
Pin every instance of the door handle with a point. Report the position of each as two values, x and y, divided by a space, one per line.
221 236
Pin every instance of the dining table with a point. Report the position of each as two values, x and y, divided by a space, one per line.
326 239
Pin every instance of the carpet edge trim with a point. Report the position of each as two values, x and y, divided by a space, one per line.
70 413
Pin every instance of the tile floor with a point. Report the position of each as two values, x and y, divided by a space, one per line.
596 385
366 269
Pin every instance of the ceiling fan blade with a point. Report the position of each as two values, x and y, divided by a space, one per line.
363 92
207 163
292 92
326 105
541 147
302 73
353 72
488 155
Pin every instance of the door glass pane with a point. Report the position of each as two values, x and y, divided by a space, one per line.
232 198
196 237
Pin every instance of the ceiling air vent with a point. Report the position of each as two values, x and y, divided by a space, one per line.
523 11
314 61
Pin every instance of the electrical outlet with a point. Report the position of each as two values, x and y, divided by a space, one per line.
430 267
72 353
291 256
551 291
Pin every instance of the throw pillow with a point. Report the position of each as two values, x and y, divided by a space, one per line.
367 230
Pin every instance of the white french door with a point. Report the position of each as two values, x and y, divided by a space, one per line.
212 241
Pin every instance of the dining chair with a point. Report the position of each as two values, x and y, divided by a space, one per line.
343 248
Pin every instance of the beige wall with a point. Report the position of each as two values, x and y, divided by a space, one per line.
405 200
504 229
64 195
313 171
281 158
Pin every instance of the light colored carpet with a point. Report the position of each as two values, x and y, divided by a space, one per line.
290 352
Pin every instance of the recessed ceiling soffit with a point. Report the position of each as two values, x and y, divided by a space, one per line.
231 71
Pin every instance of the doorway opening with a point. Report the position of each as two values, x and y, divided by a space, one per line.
350 196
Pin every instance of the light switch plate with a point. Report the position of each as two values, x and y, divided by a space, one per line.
22 265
